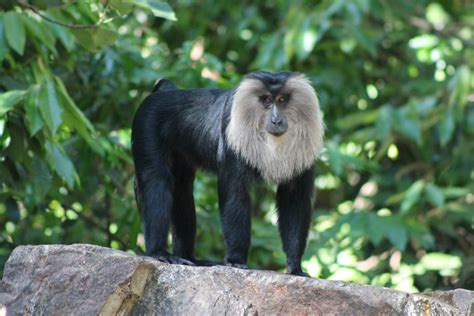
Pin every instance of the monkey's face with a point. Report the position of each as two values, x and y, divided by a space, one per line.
276 124
276 103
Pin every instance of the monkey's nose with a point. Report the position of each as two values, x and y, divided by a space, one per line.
277 121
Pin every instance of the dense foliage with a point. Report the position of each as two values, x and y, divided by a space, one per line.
395 202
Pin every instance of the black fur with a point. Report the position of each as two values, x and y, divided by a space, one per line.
273 82
176 131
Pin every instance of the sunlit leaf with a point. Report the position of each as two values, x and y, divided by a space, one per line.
158 8
440 261
122 6
9 99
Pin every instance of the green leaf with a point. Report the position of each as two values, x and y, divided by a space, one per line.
122 6
384 122
15 31
104 37
95 39
395 231
358 118
65 36
365 40
85 39
18 146
440 261
60 163
33 115
9 99
74 118
434 195
412 196
158 8
41 179
460 86
306 38
41 32
49 105
3 40
470 121
335 158
13 211
408 128
446 127
390 226
364 5
376 231
455 192
70 106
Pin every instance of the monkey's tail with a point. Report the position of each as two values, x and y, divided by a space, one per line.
163 85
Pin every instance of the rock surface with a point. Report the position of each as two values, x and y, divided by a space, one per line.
89 280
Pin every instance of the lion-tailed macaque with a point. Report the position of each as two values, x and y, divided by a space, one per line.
269 127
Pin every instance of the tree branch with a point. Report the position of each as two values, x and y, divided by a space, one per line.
37 11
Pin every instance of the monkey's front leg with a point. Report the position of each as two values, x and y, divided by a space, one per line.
294 210
234 205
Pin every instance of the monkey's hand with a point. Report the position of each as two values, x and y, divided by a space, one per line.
168 258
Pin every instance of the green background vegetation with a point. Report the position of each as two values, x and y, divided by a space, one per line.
395 183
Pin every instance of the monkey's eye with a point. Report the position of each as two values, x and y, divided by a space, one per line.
266 100
281 99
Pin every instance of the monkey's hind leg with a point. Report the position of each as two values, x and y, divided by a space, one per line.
156 202
183 215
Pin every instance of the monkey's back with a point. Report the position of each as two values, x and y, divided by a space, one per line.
183 123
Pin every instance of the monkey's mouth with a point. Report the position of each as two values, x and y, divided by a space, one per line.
277 133
277 129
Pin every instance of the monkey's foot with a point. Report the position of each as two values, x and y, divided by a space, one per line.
299 273
237 265
167 258
206 263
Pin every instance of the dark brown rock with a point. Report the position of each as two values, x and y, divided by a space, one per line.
90 280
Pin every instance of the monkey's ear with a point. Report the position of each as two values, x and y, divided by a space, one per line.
163 85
